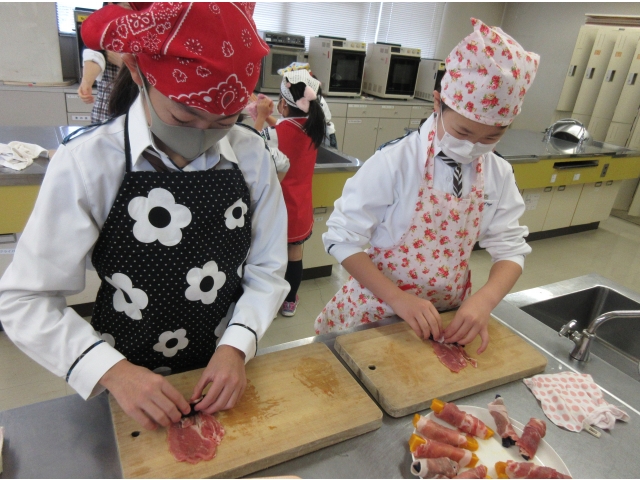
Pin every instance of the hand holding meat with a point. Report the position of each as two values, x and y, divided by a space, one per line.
472 319
264 107
227 376
145 396
420 314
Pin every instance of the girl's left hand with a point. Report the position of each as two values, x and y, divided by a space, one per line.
265 107
226 374
472 319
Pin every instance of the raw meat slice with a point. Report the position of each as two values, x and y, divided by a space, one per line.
532 433
498 411
450 413
434 431
512 469
434 467
472 361
478 472
449 355
422 448
195 438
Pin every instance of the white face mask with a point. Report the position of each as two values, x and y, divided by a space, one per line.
462 151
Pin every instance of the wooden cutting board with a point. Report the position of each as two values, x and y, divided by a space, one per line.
403 373
297 401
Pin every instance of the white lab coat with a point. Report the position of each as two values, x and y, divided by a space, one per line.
378 203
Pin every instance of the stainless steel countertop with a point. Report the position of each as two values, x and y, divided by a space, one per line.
329 159
68 437
523 146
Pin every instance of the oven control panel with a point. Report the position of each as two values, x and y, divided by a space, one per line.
283 39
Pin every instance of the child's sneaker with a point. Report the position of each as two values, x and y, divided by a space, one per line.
289 308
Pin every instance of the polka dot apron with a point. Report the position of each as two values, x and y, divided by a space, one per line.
170 256
430 261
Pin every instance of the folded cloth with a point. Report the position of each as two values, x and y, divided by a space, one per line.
252 107
568 399
19 155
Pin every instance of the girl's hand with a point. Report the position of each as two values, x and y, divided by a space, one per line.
84 92
226 375
145 396
265 107
420 314
472 319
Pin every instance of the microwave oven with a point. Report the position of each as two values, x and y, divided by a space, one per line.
390 71
284 49
338 63
430 74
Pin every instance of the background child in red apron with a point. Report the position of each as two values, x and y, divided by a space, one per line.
178 210
422 203
298 135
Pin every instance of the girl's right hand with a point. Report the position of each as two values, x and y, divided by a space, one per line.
420 314
145 396
84 92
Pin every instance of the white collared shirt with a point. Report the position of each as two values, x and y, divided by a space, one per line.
378 203
79 188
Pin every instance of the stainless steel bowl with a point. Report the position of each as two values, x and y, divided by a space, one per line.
570 130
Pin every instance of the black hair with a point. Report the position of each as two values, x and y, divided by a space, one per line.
315 126
123 94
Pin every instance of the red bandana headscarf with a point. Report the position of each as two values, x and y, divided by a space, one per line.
205 55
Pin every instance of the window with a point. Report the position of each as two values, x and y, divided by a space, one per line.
414 25
64 10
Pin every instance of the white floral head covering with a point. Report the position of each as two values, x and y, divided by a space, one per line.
299 73
488 74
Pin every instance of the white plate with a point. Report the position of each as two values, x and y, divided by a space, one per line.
491 451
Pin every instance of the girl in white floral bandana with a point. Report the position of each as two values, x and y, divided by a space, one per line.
424 201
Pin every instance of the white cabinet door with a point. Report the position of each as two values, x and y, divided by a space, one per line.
537 201
596 202
360 137
562 206
390 129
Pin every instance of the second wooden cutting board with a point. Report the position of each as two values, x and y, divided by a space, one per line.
403 373
297 401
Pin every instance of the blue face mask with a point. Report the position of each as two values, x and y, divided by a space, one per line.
462 151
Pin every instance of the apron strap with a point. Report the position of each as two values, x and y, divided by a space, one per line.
127 145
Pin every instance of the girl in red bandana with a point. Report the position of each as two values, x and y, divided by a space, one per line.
177 208
297 136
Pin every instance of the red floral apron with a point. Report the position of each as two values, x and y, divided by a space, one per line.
430 261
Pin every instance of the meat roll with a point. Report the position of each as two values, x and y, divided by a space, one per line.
498 411
434 431
450 413
422 448
532 433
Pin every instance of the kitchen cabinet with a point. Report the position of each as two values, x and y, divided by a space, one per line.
562 206
390 129
358 135
339 123
596 201
32 108
537 202
78 112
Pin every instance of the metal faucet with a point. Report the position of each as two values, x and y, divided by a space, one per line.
583 339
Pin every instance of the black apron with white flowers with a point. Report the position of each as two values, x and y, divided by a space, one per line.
170 256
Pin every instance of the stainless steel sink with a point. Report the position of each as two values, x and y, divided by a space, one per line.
616 341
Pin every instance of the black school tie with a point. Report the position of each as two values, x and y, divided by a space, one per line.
457 174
